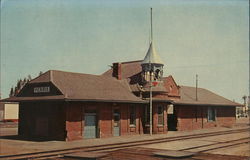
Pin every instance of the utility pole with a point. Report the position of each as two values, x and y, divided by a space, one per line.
245 104
196 88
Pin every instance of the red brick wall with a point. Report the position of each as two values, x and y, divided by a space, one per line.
124 121
140 119
226 116
171 86
172 90
140 116
157 129
198 117
138 128
195 117
185 118
125 128
106 116
75 119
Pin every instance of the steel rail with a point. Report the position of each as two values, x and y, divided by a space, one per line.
218 145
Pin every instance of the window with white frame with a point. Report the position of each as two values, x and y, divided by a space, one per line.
160 115
132 111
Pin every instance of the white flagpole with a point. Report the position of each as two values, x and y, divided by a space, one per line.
150 97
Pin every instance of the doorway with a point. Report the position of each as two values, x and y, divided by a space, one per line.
116 117
172 118
90 128
42 126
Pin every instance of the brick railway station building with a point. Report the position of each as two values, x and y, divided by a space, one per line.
60 105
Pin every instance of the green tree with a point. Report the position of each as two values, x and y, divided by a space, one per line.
16 91
20 84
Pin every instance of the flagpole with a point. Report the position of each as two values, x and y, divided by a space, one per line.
150 97
151 106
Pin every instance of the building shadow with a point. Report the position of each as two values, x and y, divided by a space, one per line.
22 138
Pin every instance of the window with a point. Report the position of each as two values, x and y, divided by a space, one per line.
147 114
160 115
157 74
170 88
211 114
132 111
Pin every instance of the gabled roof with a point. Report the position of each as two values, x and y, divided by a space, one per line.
152 56
45 77
205 97
86 87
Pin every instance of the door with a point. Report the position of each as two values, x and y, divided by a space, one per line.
172 118
90 125
42 126
116 129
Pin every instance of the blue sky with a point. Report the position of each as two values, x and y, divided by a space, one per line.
204 37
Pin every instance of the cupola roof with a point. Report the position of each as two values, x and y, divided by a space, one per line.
152 56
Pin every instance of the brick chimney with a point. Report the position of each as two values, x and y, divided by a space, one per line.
117 70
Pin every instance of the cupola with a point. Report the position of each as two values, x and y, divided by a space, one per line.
152 65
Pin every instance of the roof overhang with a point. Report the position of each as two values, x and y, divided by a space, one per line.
105 100
63 98
39 98
159 100
206 104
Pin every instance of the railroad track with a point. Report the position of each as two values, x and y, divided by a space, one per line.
149 154
218 145
115 146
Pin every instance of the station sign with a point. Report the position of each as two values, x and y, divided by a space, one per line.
41 89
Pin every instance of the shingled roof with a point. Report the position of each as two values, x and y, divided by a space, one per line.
85 87
105 88
205 97
128 69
